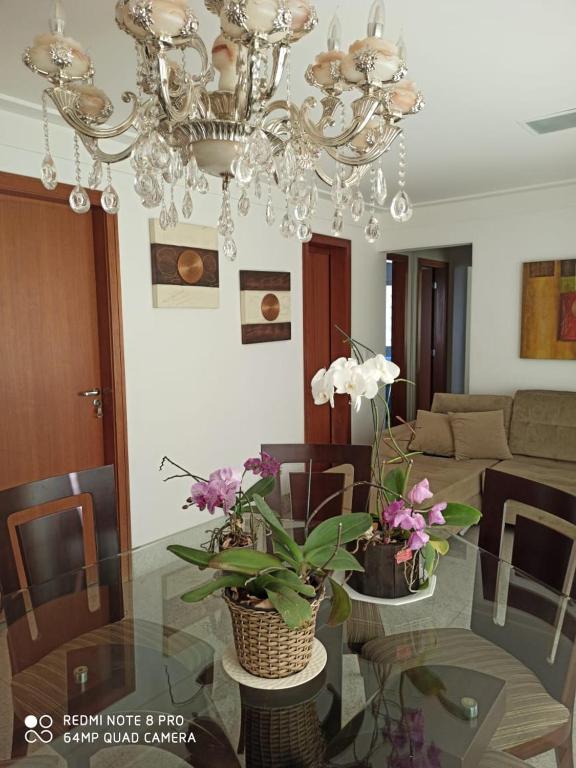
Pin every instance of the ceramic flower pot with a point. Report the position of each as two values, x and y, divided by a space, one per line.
265 646
383 575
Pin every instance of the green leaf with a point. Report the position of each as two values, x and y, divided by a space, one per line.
197 557
295 610
263 487
326 534
283 579
439 544
244 561
461 515
395 483
341 560
341 604
198 594
284 554
429 555
278 532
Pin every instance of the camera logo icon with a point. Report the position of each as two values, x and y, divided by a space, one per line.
38 729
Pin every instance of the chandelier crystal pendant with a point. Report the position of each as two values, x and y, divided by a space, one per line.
241 130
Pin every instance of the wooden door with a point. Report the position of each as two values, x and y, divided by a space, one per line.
326 274
398 351
433 331
60 336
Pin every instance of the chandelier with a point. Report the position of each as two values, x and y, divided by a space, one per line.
180 131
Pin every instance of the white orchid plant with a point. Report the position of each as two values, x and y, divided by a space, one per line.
401 514
356 378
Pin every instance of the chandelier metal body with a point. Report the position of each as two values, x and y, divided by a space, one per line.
182 129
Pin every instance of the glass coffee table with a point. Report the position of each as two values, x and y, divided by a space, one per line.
480 673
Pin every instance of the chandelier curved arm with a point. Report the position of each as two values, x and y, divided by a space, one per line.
364 110
280 126
279 59
98 154
388 135
207 73
352 179
66 102
175 114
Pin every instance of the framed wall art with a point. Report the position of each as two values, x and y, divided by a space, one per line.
549 310
265 305
185 267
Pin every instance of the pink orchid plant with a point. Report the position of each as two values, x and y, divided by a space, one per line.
402 514
223 491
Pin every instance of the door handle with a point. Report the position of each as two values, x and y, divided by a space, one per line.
90 393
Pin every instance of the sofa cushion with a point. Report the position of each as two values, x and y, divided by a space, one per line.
558 474
433 434
479 435
544 424
449 480
445 402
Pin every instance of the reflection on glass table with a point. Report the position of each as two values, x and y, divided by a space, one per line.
483 667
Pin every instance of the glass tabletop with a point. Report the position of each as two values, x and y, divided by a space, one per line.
108 666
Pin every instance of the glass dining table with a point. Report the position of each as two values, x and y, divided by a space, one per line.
108 667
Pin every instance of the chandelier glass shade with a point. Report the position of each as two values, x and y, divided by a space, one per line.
183 127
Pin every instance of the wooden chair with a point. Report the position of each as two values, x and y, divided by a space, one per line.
59 545
339 459
521 630
62 592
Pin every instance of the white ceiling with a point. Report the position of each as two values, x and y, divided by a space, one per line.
484 67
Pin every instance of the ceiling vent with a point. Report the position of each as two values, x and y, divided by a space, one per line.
554 123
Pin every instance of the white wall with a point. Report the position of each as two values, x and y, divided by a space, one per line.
194 392
197 394
505 230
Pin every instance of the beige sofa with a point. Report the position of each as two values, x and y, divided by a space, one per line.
541 427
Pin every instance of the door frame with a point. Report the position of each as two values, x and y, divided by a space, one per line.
340 296
439 331
400 300
109 299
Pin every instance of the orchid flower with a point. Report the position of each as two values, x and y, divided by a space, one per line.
381 370
435 516
219 492
420 492
323 387
265 465
389 513
417 540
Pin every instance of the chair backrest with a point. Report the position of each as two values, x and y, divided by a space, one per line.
321 459
536 537
58 558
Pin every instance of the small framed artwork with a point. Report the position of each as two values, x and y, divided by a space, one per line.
185 267
265 304
549 310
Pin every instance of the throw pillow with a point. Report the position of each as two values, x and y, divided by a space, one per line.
433 434
480 435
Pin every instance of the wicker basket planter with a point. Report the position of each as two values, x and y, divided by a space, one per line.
266 647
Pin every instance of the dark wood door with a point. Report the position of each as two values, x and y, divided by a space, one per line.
433 331
326 268
60 335
398 352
